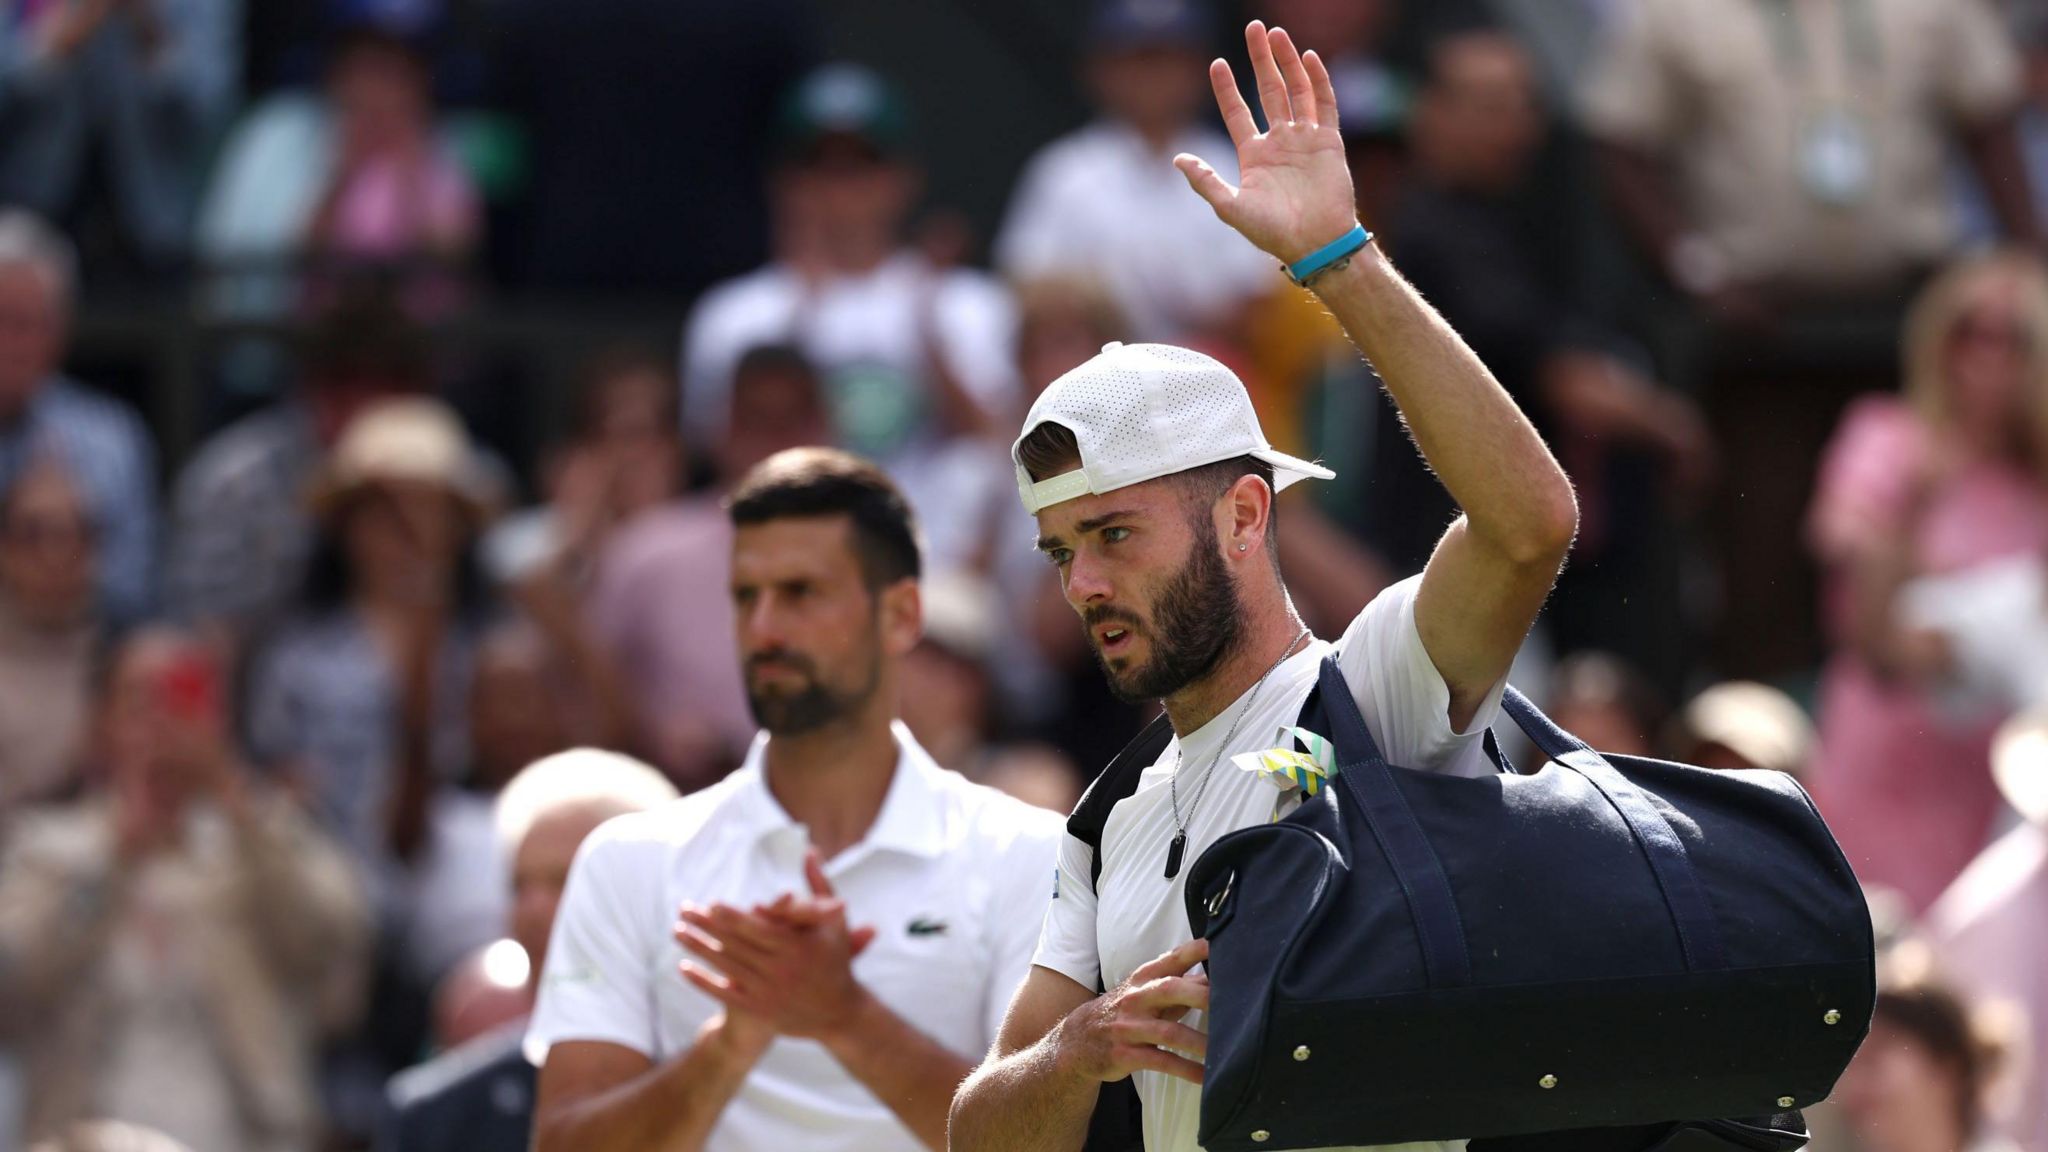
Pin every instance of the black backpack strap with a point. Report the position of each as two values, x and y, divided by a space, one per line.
1116 782
1117 1124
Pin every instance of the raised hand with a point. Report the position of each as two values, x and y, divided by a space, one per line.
1293 194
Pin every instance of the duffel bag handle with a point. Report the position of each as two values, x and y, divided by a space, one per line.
1363 773
1699 934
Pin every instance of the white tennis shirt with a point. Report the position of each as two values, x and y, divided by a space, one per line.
954 877
1133 914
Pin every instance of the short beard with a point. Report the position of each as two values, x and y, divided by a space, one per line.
1197 621
816 705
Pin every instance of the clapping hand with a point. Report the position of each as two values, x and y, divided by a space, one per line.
789 962
1294 185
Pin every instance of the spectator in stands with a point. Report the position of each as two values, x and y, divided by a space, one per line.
176 944
660 604
1106 202
918 360
1947 477
359 170
242 534
394 198
479 1097
1597 697
1475 233
1742 724
1991 926
99 441
49 631
1782 165
1918 1083
950 703
362 695
611 210
623 455
129 91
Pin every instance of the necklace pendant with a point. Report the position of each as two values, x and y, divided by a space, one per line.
1174 851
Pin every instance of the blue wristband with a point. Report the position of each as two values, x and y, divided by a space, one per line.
1332 255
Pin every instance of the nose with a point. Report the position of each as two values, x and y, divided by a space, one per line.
761 624
1087 583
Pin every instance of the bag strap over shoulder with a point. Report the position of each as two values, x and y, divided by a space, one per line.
1363 774
1116 783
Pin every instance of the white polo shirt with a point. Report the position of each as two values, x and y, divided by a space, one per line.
953 876
1132 914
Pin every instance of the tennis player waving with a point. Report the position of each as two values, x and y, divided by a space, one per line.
1153 488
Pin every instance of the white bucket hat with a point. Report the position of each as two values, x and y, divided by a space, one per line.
1142 411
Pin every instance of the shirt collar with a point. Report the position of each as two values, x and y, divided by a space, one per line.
912 819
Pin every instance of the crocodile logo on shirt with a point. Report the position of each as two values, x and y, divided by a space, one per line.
926 926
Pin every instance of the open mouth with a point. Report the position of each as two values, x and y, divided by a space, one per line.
1113 640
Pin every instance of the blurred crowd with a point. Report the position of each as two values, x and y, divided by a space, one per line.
1766 273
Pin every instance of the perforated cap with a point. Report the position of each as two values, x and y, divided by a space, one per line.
1142 411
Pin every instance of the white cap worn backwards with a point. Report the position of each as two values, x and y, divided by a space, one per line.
1142 411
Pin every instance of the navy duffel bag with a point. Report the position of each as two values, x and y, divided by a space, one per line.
1612 943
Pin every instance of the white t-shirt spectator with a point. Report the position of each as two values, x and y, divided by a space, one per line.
867 336
952 876
1132 914
1099 203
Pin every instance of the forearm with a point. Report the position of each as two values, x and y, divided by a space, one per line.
671 1108
1468 428
905 1069
1024 1102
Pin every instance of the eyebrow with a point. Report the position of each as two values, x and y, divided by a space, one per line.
1093 523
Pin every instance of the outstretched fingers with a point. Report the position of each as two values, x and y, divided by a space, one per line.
1237 116
1272 89
1300 92
1325 92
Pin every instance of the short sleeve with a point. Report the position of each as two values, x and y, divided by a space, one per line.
1979 71
1025 885
595 985
1066 940
1864 480
1631 95
1401 694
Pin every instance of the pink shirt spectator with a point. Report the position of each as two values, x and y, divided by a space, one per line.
1907 788
663 606
390 210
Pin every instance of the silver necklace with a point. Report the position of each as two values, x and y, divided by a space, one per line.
1179 847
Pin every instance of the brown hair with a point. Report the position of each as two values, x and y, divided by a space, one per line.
803 482
1913 998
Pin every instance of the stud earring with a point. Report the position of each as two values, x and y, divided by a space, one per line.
1242 547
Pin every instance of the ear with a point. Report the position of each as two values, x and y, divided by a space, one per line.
900 617
1242 516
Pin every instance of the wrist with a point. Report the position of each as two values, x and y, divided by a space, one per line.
739 1044
1330 253
852 1020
